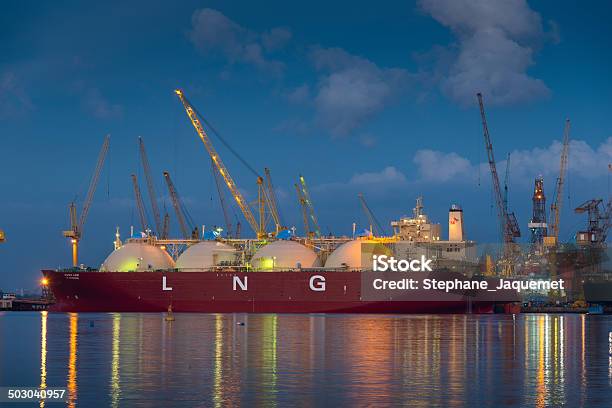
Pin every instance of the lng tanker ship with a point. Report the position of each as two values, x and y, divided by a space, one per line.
281 276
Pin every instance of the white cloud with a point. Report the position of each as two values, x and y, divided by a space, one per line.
99 106
367 140
494 49
584 161
352 89
95 103
441 167
388 175
300 94
389 178
213 31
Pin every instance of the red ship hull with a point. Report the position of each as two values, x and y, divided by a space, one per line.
220 292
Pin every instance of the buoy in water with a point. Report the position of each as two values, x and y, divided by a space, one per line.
169 316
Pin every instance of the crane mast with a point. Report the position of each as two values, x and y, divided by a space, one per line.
176 203
139 204
555 206
150 186
236 194
76 227
508 224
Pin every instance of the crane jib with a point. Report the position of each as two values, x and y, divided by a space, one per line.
236 194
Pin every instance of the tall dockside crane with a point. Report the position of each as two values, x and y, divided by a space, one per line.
151 188
140 205
508 225
315 231
236 194
178 208
599 221
75 232
378 229
555 206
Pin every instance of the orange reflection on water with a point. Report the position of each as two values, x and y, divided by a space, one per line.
72 360
43 353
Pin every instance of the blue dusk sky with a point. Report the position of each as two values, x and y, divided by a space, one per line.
372 97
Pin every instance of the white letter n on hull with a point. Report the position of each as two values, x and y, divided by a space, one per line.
238 282
164 284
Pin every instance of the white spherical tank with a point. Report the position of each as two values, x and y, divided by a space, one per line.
284 255
204 255
137 257
356 254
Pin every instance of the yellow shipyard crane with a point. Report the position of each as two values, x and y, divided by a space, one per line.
76 227
263 193
555 207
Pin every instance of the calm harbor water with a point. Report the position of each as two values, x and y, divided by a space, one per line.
305 360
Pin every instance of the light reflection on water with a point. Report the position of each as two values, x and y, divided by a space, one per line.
279 360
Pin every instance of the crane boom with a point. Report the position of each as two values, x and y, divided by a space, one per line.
555 206
228 222
139 204
508 223
76 227
311 211
242 204
371 217
94 182
150 186
176 203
